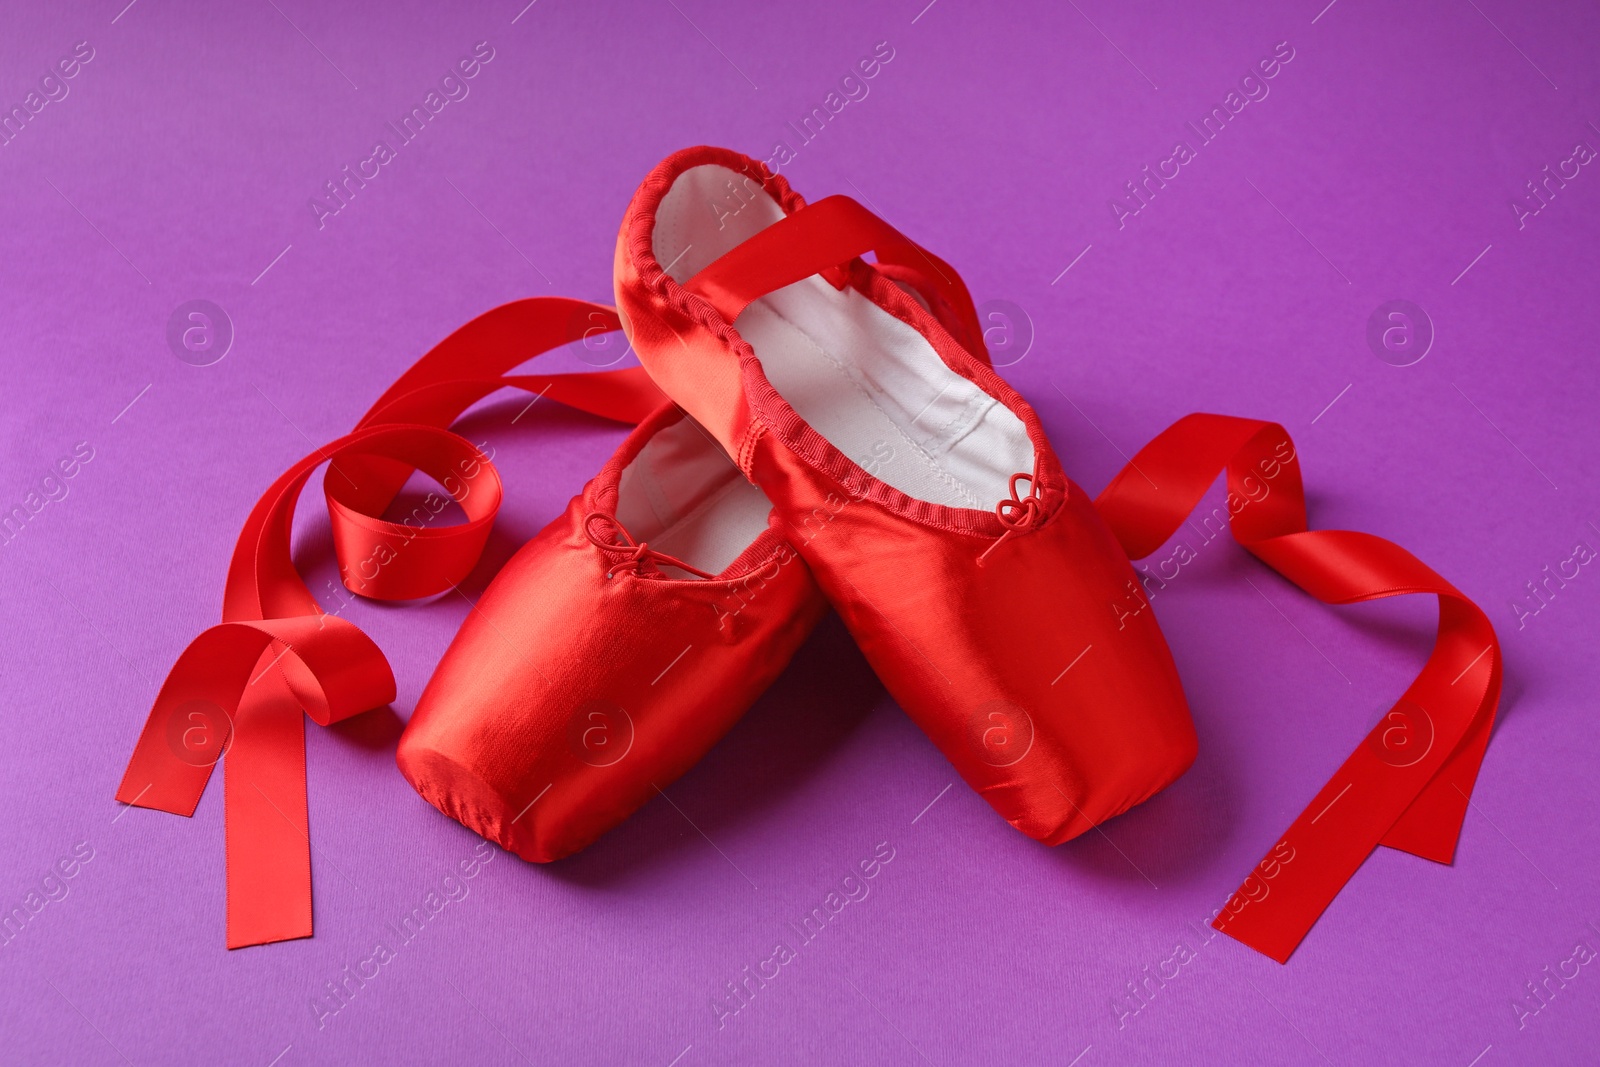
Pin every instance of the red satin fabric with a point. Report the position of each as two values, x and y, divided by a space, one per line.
586 678
1057 712
965 651
276 653
1407 784
834 231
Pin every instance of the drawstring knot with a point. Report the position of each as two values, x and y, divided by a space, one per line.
613 538
1018 514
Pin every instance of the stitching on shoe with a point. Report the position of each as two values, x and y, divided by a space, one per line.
747 448
962 423
960 430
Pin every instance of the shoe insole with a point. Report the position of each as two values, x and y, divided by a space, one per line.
869 383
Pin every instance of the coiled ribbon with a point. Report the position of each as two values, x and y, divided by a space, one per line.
242 686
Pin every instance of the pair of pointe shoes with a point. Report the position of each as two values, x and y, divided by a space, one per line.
835 435
811 430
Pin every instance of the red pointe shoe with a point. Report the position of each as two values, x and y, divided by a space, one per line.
979 581
613 650
596 668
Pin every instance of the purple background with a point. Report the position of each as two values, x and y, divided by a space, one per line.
1383 164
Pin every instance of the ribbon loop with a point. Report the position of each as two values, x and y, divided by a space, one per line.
244 688
408 559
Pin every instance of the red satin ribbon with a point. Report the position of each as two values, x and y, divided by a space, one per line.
1407 784
823 238
277 653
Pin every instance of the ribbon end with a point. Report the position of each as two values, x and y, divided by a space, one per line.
157 796
249 939
1431 847
1274 948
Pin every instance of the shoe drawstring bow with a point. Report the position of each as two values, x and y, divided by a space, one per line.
611 537
1018 514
